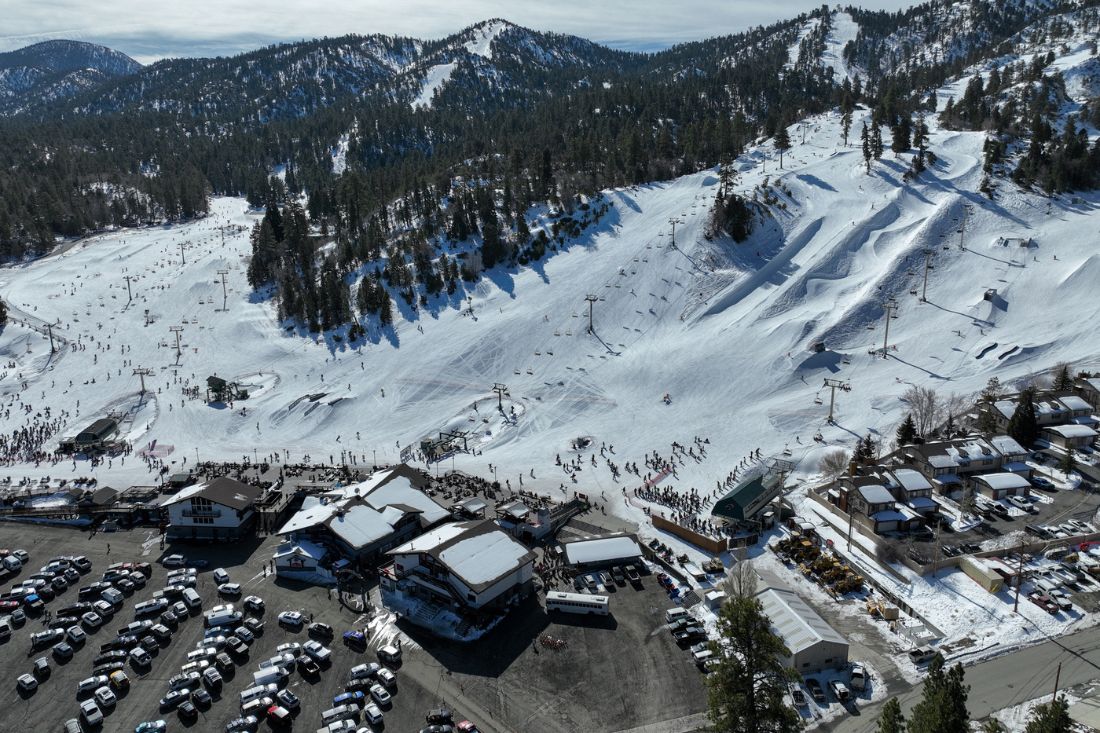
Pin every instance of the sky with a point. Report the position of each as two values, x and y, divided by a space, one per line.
150 31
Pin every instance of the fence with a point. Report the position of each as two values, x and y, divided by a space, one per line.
710 544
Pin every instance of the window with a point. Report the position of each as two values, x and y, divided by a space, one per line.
471 597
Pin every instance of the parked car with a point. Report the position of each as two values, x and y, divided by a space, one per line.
816 690
291 620
839 690
858 677
26 683
90 712
1020 503
254 604
921 655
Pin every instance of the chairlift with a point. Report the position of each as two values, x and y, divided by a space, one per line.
912 291
529 371
517 372
538 353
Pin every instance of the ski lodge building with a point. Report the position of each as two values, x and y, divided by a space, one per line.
222 509
360 522
93 438
603 552
457 577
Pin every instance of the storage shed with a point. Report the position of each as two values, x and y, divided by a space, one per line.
814 645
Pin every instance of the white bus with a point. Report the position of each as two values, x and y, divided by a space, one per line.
576 603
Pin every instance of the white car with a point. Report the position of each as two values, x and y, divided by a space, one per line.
230 589
290 647
92 620
91 713
291 620
105 698
372 714
378 692
27 683
220 576
174 561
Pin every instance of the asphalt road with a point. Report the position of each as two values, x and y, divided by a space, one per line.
1007 680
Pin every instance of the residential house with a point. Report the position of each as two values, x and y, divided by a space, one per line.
1001 485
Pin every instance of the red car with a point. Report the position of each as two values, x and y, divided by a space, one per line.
9 605
466 727
1044 602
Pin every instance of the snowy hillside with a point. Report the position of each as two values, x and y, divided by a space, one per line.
722 328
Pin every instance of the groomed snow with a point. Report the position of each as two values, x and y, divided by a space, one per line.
844 29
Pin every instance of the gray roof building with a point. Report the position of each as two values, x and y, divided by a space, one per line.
813 644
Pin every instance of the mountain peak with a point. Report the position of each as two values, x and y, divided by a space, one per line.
64 55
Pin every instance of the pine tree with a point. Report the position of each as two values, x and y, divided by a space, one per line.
1051 717
890 720
746 689
876 141
1063 382
907 431
3 313
1068 464
781 141
942 708
865 142
1023 426
900 136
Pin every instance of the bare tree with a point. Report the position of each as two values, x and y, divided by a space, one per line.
834 463
951 408
741 581
925 406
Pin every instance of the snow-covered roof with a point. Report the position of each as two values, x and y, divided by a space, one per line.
483 558
400 490
477 552
516 510
875 494
1003 481
363 525
473 504
1073 431
602 549
921 503
310 515
795 622
1073 402
1006 445
911 480
889 515
429 540
1049 407
301 548
1005 407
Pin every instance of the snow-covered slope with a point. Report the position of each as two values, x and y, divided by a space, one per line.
723 329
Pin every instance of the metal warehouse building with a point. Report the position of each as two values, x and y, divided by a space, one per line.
814 645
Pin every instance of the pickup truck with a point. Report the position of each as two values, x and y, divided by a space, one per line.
921 655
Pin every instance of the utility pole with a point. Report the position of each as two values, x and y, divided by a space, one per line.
1057 679
182 255
143 372
890 306
129 295
834 385
927 267
591 299
225 295
1019 582
501 391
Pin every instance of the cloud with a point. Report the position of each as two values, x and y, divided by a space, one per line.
149 31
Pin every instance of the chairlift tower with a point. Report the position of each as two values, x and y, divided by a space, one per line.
833 385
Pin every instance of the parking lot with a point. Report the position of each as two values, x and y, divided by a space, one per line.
55 700
607 675
1049 508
